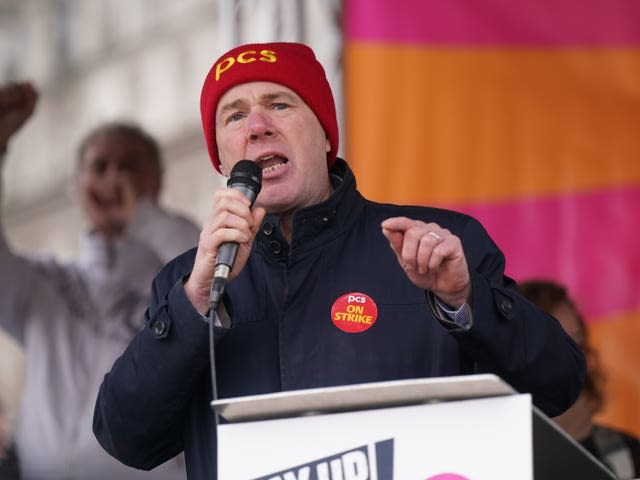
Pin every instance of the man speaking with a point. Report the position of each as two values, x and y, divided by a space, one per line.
328 288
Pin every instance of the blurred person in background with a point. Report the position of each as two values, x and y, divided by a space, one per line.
74 318
617 450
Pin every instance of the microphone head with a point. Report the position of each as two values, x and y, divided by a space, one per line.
246 173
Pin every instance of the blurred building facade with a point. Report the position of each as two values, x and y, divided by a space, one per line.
139 60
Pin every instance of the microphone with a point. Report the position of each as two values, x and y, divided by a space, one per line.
246 176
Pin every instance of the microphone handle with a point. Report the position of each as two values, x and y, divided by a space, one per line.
226 255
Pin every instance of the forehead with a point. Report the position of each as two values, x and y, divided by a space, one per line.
254 91
568 318
113 147
114 143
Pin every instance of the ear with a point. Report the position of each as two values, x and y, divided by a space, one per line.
327 146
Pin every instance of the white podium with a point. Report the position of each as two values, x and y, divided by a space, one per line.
454 428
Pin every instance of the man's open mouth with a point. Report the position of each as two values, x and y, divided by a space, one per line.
271 163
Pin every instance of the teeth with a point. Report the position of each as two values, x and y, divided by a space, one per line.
272 168
268 157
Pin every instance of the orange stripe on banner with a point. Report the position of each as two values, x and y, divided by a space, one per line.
616 339
456 125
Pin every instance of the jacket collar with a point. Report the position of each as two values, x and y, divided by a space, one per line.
320 223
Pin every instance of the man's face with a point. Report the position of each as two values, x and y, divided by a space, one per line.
113 172
270 124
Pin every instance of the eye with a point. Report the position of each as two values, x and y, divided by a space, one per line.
279 106
235 117
128 165
98 166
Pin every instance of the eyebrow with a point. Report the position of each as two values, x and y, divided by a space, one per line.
267 97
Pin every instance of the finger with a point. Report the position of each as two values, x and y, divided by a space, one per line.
406 238
426 249
399 224
231 211
227 220
448 250
425 238
430 247
232 205
436 258
248 229
232 202
410 246
230 196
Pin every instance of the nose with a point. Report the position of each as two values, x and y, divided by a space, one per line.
259 125
113 171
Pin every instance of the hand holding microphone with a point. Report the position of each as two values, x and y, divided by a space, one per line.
227 236
246 177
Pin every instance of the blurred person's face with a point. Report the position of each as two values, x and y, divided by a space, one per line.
568 318
113 172
270 124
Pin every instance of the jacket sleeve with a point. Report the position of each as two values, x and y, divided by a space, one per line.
513 338
144 400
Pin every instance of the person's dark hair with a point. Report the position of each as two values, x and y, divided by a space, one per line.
549 295
128 130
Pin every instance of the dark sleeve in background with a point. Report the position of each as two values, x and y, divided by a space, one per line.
9 465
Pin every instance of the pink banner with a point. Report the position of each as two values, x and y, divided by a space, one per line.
495 22
588 241
525 115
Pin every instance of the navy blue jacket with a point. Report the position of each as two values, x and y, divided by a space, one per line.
155 401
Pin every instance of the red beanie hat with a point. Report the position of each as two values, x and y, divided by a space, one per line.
293 65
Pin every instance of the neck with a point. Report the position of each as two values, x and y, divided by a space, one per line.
286 218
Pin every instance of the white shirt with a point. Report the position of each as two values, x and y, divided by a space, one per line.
74 319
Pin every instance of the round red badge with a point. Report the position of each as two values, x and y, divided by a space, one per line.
354 312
